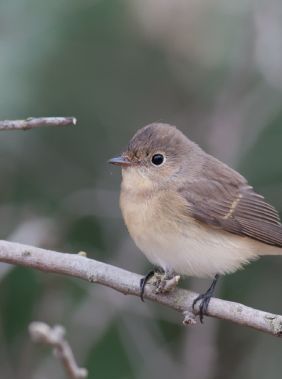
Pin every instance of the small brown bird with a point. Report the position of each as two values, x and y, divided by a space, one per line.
188 212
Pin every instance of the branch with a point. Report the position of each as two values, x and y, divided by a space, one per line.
76 265
32 123
43 333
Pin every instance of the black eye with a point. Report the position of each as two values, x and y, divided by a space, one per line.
157 159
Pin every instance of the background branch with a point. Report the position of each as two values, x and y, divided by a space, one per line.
55 337
36 122
126 282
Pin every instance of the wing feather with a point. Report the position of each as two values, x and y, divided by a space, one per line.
234 207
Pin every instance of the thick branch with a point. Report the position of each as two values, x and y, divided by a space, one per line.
126 282
38 122
55 337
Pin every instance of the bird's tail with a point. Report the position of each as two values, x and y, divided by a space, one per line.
269 250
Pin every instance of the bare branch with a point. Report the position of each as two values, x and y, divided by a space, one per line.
43 333
126 282
38 122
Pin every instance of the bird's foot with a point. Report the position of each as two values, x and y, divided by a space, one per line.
144 281
162 281
205 299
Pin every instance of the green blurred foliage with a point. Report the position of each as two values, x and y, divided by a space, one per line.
108 359
23 286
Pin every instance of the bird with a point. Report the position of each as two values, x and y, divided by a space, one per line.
188 212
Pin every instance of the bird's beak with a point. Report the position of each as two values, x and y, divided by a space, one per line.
120 161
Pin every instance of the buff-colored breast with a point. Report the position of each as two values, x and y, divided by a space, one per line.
161 226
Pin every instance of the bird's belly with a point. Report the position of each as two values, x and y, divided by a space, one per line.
188 248
195 252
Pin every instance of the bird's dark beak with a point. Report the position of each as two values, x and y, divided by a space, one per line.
120 161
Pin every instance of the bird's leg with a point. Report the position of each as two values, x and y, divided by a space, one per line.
144 281
205 299
164 281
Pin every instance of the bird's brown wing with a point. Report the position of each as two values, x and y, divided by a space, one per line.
234 207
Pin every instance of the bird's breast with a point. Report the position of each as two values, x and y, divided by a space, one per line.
172 239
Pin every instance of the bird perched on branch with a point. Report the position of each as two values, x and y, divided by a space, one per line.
189 213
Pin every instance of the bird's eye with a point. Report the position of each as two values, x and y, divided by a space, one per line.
157 159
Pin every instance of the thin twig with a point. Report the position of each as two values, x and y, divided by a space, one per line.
55 337
36 122
126 282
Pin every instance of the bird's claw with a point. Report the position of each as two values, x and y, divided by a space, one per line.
203 307
144 281
204 299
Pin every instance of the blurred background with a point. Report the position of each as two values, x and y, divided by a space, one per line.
211 67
